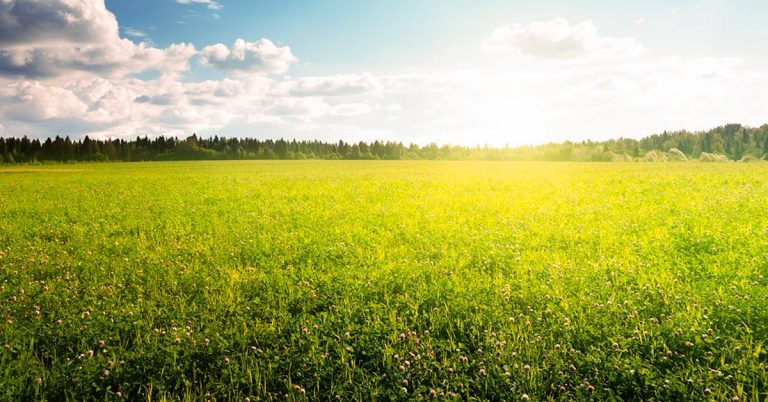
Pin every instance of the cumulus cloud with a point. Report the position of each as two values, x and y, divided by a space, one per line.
211 4
393 107
558 39
117 58
261 56
32 101
334 85
50 38
351 109
65 69
295 107
54 21
312 110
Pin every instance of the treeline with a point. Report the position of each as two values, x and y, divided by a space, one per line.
729 142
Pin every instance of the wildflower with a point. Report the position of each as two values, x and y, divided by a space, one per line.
226 360
405 382
524 397
432 393
106 373
591 388
482 373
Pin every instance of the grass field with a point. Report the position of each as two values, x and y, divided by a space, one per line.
384 281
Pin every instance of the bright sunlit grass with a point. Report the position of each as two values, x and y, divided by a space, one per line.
374 280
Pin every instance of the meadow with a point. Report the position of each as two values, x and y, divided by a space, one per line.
301 280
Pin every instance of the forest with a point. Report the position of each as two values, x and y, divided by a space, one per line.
729 142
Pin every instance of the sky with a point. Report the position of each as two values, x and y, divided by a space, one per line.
452 72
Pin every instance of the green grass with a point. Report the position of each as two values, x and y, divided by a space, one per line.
384 281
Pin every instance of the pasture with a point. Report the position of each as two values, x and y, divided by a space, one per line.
299 280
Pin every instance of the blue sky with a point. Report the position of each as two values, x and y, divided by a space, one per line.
346 36
468 72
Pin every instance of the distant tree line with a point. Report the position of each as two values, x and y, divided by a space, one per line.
729 142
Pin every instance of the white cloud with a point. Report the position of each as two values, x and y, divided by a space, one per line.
351 109
211 4
56 37
55 21
32 101
492 105
261 56
299 108
135 33
126 107
80 79
393 107
116 58
335 85
558 39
